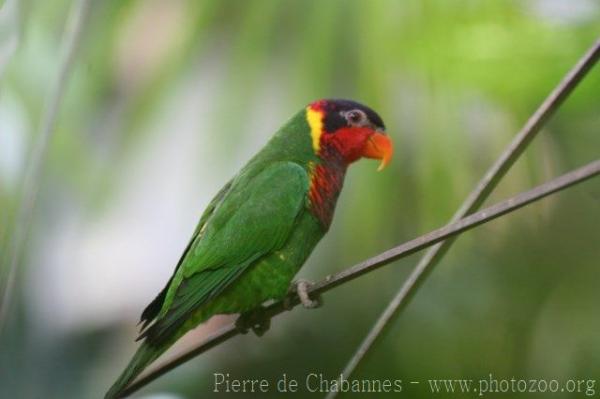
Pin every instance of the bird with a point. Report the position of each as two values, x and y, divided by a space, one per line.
261 227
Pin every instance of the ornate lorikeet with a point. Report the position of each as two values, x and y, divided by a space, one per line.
263 224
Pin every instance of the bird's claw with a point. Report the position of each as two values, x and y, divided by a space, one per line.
255 319
300 287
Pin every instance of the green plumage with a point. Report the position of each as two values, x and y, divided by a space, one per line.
250 242
259 229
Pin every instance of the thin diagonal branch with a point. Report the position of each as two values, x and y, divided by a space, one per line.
475 199
31 180
560 183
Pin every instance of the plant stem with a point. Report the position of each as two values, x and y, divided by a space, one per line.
560 183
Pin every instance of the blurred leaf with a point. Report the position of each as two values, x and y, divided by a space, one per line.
9 32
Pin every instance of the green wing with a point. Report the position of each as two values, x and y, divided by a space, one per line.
254 218
153 309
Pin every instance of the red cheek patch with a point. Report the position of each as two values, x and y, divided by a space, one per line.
348 142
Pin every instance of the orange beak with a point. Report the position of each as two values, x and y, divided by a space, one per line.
379 146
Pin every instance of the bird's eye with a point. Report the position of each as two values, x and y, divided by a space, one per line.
355 117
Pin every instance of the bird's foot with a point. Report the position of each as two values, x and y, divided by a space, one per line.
254 319
300 287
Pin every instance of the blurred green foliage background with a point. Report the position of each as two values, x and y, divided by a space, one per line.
168 99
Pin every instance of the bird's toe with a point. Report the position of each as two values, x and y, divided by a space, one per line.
301 287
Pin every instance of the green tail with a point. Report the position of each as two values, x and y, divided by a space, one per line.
145 355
